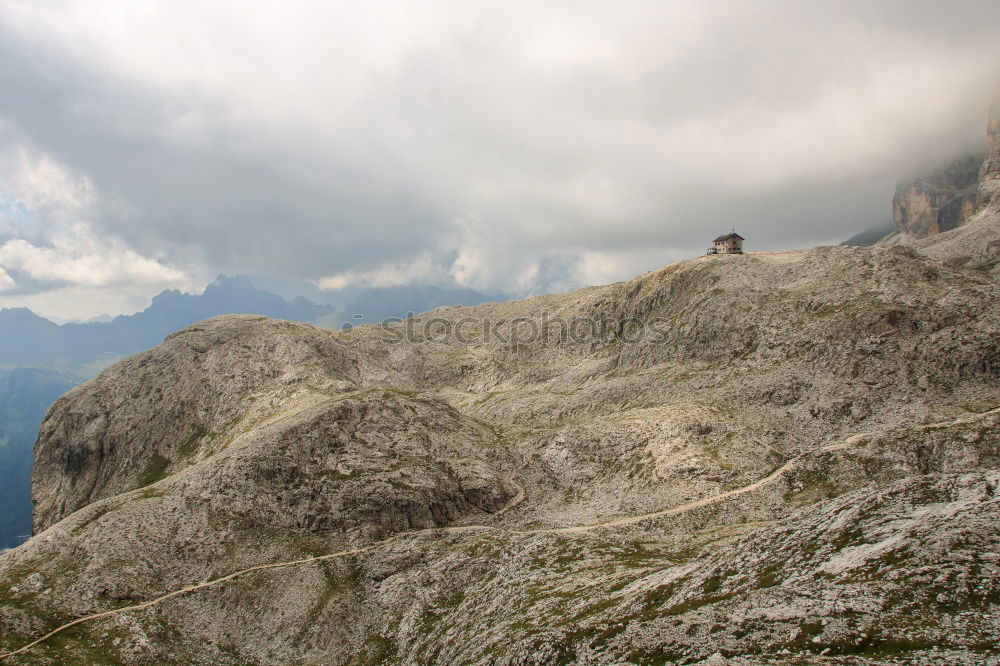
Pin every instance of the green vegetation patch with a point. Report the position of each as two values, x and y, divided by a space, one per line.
156 470
190 445
377 649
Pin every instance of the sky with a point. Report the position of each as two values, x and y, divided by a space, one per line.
516 147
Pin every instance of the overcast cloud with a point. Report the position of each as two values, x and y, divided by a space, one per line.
507 146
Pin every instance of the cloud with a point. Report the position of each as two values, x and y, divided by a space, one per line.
606 267
6 281
386 275
56 256
78 257
354 142
42 184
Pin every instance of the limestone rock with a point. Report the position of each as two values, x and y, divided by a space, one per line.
939 201
989 173
950 196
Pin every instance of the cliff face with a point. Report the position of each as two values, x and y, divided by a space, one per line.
989 173
940 201
949 197
768 455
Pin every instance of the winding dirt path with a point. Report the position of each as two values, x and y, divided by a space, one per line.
682 508
845 443
516 500
199 586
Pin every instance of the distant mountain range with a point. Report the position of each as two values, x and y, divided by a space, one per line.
28 340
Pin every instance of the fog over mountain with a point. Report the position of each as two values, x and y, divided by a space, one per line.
485 145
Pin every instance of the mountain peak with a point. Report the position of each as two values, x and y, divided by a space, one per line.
231 283
22 315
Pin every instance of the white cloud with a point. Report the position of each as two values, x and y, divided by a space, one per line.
594 267
6 281
386 275
63 266
76 256
468 266
603 267
43 184
485 257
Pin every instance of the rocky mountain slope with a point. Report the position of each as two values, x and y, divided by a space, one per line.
27 339
989 172
777 457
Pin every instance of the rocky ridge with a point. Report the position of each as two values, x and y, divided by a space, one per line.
989 172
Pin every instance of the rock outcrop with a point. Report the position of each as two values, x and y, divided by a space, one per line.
939 201
989 173
949 197
276 408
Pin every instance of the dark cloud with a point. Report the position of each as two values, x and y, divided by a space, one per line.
234 198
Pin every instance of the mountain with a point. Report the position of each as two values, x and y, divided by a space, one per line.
949 196
29 340
782 458
939 201
989 172
769 458
57 352
25 335
25 395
